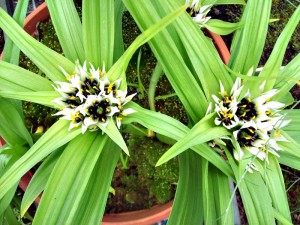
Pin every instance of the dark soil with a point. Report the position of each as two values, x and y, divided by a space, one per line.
1 40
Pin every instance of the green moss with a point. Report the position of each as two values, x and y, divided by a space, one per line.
162 191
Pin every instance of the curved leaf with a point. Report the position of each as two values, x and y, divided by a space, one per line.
98 31
68 27
39 180
68 181
18 79
45 58
55 137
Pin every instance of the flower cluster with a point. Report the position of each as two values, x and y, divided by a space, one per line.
89 99
197 12
255 122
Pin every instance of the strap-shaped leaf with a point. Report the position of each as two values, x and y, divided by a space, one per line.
45 58
92 204
189 196
248 42
112 131
98 31
217 196
273 177
209 70
172 128
202 132
40 97
68 28
69 179
55 137
290 155
287 78
274 62
165 47
39 180
255 195
11 52
12 127
292 129
119 45
221 27
12 76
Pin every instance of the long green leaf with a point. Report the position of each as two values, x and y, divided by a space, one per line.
68 181
12 127
40 97
120 66
274 62
287 78
119 45
255 196
248 42
290 155
164 45
172 128
188 197
46 59
275 183
15 78
39 180
98 31
55 137
202 132
221 27
92 204
68 28
11 52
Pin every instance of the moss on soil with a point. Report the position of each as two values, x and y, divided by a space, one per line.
142 184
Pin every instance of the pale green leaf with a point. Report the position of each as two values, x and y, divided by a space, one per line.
119 45
98 31
92 204
69 179
221 27
290 155
12 127
68 28
39 180
18 79
55 137
11 52
225 2
248 42
172 128
272 175
202 132
40 97
188 192
272 66
45 58
292 129
166 49
112 131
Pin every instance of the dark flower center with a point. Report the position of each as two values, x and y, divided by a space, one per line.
99 110
246 136
246 110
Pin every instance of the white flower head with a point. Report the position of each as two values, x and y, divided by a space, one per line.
89 99
255 122
198 12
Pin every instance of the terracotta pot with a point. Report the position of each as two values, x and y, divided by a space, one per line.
140 217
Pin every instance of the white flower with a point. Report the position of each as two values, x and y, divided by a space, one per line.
198 12
89 99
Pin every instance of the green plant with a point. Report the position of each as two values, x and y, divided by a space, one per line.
97 152
195 71
232 142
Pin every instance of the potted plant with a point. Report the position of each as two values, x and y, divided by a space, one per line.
40 14
209 164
